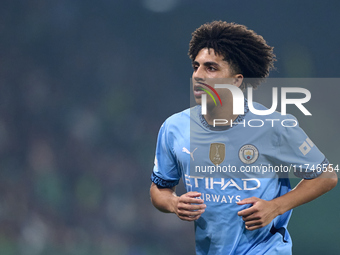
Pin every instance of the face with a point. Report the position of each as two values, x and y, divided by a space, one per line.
210 68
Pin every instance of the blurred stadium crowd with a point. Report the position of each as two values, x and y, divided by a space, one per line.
73 144
84 88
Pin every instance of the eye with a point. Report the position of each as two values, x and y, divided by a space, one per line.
212 69
195 67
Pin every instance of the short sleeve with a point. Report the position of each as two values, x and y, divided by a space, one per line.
298 151
165 172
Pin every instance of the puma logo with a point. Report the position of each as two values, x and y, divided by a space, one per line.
190 153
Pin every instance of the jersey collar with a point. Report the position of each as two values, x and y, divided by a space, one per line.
239 118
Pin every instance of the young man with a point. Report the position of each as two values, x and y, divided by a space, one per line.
233 213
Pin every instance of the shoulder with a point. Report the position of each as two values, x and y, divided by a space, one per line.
275 124
179 119
179 116
275 115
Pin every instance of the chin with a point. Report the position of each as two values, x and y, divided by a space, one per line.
198 100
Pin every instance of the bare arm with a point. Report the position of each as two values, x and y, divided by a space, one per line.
186 207
263 212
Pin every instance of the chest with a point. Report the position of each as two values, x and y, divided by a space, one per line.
200 152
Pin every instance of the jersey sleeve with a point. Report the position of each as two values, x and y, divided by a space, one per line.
297 151
165 172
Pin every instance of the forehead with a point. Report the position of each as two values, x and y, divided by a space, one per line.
206 54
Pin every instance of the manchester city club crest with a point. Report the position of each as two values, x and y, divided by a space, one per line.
217 153
248 154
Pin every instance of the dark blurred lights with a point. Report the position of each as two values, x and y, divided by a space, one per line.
77 139
160 5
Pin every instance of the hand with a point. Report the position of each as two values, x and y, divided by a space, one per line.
188 207
260 214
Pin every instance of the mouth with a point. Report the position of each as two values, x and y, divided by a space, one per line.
198 89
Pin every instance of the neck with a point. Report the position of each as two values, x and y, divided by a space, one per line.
224 112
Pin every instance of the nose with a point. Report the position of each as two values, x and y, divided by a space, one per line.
198 75
198 79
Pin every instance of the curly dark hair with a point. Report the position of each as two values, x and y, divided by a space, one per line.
245 51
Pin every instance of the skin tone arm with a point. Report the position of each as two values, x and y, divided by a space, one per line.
186 207
262 212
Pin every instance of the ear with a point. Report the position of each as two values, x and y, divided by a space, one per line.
238 79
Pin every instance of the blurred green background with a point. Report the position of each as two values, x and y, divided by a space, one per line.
84 88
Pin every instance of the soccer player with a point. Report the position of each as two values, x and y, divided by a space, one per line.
234 213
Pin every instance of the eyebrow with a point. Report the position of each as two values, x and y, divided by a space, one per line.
209 63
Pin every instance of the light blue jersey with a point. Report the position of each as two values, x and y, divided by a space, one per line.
228 164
